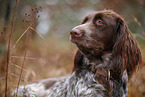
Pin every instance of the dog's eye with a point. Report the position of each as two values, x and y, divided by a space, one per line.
99 22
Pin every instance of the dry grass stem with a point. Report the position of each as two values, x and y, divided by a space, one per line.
8 52
2 78
37 32
23 34
27 41
12 64
140 36
23 57
17 76
136 20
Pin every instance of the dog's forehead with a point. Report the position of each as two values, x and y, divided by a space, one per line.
101 14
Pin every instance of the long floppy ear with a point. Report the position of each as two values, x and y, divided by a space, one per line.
126 52
78 62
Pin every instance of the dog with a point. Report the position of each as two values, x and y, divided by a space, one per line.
106 58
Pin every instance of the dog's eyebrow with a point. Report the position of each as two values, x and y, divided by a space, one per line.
98 16
85 19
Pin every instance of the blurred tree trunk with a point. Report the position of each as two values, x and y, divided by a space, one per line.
3 35
8 11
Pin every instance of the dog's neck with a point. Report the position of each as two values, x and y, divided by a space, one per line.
83 63
104 60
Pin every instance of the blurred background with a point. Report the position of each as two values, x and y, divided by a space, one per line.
41 31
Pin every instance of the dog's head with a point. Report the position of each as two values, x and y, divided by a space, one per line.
97 33
104 32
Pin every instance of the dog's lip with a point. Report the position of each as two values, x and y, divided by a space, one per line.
73 39
77 41
99 49
70 38
96 49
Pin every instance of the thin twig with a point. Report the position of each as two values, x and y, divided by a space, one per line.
136 20
8 53
12 64
2 78
17 76
23 57
20 38
37 32
140 36
22 35
27 41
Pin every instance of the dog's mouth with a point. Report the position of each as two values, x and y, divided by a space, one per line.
87 46
72 39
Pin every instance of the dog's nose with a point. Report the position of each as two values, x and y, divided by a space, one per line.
76 33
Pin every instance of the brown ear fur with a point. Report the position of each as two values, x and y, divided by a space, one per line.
126 52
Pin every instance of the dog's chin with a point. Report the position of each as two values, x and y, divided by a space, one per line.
89 51
87 48
74 40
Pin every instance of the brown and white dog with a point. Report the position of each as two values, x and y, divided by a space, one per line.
107 56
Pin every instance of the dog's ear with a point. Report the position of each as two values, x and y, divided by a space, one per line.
126 52
78 61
